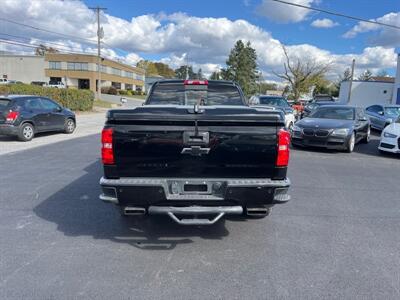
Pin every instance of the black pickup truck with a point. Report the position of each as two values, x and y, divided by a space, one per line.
195 151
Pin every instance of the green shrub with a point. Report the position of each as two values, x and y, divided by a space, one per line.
110 90
122 92
74 99
129 93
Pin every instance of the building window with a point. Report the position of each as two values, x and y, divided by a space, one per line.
77 66
138 77
55 65
129 74
116 71
103 68
117 85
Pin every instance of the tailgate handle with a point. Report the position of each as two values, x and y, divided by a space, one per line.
196 138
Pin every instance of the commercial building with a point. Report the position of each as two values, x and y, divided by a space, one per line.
378 90
74 70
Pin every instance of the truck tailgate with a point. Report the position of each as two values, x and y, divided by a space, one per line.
216 147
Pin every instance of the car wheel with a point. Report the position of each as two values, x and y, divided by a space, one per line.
26 132
351 143
69 126
368 137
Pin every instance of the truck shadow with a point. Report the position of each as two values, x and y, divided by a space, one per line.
77 211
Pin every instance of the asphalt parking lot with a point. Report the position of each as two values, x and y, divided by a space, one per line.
338 238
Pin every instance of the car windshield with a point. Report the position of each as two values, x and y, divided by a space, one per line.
273 101
338 113
180 94
392 111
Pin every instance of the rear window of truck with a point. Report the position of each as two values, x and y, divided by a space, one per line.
180 94
3 104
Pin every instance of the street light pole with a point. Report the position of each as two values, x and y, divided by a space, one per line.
351 80
100 35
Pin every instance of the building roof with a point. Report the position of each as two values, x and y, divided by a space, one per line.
383 79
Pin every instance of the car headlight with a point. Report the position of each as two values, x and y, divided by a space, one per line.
389 135
296 128
340 131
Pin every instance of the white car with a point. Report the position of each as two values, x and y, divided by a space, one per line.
57 85
276 102
390 138
4 81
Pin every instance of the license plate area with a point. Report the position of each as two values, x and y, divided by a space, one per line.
195 188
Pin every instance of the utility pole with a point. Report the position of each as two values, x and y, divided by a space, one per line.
187 66
351 80
100 35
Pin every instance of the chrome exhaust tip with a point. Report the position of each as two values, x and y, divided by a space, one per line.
258 211
134 211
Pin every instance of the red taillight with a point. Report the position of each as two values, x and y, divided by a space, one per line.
195 82
107 151
12 116
282 160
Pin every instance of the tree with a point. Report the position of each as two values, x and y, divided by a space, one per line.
241 66
199 74
149 67
263 87
156 69
41 50
382 73
215 75
365 76
164 70
181 72
301 73
346 76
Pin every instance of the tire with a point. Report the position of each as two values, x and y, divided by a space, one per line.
26 132
368 137
351 143
69 126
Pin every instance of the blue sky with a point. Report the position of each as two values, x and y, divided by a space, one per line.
296 33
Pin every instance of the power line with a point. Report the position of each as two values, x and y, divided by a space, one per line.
43 42
45 30
337 14
17 43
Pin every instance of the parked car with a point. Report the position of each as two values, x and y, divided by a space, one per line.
333 127
39 83
298 108
323 97
313 105
382 115
390 137
276 102
24 116
195 152
4 81
57 85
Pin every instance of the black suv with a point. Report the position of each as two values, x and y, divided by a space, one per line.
24 116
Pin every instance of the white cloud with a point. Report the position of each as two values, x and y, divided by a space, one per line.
385 36
284 13
324 23
176 38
